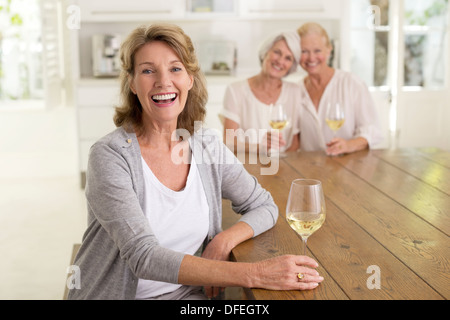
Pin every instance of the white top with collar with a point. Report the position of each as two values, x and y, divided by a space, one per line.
252 115
361 115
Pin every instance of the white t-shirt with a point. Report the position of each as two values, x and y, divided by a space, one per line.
361 116
179 220
241 106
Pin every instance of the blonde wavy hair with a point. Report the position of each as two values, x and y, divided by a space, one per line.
314 28
129 113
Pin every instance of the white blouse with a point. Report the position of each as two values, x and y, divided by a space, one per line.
241 106
361 116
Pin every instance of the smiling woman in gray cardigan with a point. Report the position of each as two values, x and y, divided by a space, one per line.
163 89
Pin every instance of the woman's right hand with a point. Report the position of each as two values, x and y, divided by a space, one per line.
281 273
273 140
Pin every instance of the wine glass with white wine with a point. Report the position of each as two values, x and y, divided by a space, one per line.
305 210
335 116
278 120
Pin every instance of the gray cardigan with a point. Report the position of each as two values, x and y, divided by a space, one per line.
119 246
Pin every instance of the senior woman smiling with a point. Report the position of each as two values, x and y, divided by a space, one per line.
246 102
324 85
154 224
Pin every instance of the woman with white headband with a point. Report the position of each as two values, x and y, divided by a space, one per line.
246 102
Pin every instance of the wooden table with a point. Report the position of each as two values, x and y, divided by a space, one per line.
388 219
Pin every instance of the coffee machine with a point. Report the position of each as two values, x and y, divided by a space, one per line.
105 55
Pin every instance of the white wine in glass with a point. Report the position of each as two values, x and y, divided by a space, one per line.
278 124
335 117
278 119
305 210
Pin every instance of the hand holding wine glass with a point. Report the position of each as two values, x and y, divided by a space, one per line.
278 119
305 210
335 116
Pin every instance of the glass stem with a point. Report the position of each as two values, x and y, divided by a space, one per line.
305 239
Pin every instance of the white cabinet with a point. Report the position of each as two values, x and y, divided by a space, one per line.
216 91
382 102
96 100
423 119
130 10
309 9
138 10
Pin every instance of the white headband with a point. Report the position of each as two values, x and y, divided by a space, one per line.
293 41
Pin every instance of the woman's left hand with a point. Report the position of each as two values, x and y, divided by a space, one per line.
337 146
340 146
